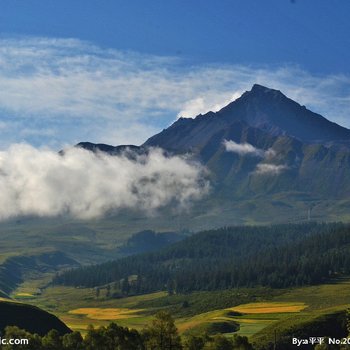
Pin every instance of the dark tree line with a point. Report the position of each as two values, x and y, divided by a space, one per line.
161 334
276 256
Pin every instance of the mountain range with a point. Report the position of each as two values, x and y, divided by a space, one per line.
262 149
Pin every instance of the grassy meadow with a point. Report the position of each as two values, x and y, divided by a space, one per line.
257 319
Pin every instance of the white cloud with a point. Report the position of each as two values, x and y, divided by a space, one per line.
207 102
270 153
85 93
85 185
243 148
248 149
264 168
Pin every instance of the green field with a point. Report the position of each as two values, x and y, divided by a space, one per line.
79 307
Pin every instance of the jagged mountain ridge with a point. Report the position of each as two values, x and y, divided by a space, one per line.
262 108
297 150
112 150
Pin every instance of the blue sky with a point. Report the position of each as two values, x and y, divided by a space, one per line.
119 71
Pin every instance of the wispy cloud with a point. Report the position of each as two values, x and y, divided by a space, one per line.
243 148
272 169
86 185
71 91
262 168
247 149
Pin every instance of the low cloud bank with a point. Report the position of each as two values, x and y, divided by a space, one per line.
87 185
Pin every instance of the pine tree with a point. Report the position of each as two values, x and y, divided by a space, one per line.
126 286
162 334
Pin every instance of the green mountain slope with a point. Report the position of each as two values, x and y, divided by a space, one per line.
277 256
15 269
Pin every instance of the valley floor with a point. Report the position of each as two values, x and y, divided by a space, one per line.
80 307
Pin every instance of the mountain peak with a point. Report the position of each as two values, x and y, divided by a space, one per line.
262 88
263 108
258 89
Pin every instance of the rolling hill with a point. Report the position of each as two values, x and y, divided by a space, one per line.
30 318
14 269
